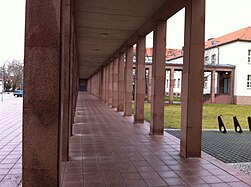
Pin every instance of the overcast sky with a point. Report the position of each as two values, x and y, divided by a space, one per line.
222 17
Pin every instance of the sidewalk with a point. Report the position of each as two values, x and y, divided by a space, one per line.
107 149
10 141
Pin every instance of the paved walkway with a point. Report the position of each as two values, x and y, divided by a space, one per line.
108 150
10 141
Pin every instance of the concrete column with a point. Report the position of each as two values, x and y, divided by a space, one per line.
65 79
103 83
41 106
158 78
106 84
72 61
149 83
140 85
100 77
212 86
75 83
88 85
121 66
90 81
171 86
128 82
192 79
110 83
232 75
115 84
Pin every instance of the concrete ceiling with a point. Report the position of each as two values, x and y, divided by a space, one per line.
102 27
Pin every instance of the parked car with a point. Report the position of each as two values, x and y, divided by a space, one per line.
18 93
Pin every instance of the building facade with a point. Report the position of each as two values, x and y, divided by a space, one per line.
233 51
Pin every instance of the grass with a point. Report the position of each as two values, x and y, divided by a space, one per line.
175 98
210 114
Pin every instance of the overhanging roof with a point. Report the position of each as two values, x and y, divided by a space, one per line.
103 28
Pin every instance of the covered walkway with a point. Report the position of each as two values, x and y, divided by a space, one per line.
73 45
107 149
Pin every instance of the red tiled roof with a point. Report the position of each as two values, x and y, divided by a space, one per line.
242 34
170 53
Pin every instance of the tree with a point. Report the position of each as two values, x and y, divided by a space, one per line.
13 75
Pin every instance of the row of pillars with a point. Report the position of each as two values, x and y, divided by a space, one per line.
51 84
113 82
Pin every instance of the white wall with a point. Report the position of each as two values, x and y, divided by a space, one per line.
177 78
237 54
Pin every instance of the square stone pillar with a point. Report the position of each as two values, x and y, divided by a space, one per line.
212 86
110 84
90 81
158 78
72 61
171 86
103 83
149 86
106 84
41 105
192 79
65 79
140 83
115 84
100 84
121 82
128 81
75 85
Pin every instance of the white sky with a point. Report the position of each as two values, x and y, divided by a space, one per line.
12 20
222 17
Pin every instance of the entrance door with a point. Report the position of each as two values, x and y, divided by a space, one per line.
226 86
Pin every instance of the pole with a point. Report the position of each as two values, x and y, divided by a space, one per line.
2 86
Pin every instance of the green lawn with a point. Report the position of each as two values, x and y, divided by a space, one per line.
210 114
175 98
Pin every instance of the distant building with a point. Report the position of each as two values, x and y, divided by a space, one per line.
231 51
227 72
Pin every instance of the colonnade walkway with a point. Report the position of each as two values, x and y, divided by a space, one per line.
107 149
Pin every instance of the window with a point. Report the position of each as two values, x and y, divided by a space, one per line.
213 59
167 83
249 55
206 59
249 81
178 86
174 84
205 83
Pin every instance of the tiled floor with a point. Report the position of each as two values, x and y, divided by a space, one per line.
10 141
108 150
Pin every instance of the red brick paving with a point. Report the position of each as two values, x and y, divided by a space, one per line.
108 150
11 142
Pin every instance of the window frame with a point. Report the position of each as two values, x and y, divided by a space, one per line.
213 59
249 81
249 56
